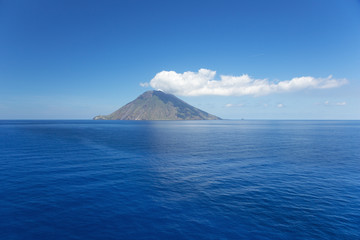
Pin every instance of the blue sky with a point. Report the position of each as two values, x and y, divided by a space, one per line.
78 59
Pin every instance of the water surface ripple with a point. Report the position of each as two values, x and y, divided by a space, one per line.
179 180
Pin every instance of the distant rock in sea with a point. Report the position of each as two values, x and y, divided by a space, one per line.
157 105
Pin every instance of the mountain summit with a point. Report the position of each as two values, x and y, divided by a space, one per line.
157 105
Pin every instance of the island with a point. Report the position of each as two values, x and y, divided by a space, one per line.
157 105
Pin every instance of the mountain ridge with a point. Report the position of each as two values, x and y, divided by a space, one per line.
157 105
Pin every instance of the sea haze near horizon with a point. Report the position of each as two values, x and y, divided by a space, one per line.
179 179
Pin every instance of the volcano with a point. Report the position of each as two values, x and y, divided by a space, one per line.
157 105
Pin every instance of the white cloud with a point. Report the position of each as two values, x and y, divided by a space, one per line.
234 105
340 104
203 82
145 84
280 105
328 103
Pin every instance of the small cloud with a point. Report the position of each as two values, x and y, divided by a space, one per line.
234 105
280 105
340 103
328 103
204 82
145 84
266 105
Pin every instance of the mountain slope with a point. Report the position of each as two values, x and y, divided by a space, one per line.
157 105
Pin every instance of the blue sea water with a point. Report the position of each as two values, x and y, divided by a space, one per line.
179 180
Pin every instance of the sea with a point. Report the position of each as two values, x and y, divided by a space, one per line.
249 179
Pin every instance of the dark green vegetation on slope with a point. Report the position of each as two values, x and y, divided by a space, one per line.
157 105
